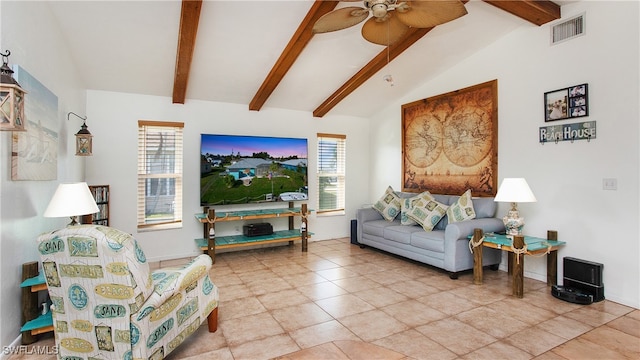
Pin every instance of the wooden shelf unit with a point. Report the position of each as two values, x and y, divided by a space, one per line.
34 322
209 217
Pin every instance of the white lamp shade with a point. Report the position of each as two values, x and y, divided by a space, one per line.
73 199
515 190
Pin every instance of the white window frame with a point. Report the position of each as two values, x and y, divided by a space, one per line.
174 158
331 173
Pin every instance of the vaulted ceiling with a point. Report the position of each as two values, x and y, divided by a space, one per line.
263 53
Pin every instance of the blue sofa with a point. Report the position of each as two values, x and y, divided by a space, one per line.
445 247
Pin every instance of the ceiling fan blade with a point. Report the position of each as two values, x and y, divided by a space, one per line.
340 19
384 32
426 14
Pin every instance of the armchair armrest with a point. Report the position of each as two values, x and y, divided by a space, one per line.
168 282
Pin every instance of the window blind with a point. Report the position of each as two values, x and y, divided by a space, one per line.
159 195
331 172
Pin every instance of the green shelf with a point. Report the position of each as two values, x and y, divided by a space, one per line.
533 243
252 214
241 240
39 322
36 280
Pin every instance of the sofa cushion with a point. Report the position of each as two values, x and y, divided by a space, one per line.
427 211
461 209
388 205
429 240
484 207
376 227
401 233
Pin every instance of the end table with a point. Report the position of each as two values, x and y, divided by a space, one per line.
517 246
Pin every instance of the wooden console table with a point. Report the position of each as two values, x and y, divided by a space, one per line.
209 244
517 246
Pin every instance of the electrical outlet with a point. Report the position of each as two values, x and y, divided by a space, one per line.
610 184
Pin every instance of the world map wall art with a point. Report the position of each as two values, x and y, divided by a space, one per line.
450 142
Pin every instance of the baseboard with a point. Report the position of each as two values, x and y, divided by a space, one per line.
5 354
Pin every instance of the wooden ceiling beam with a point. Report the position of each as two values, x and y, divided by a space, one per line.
294 48
189 18
376 64
538 12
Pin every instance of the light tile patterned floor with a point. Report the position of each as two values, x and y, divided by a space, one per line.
337 301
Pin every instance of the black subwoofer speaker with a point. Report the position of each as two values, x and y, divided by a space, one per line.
258 229
354 232
584 276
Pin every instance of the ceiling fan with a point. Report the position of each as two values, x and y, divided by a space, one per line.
390 18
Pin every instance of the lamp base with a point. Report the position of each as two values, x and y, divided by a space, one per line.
513 223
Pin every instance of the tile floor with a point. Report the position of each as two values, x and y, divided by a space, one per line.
339 301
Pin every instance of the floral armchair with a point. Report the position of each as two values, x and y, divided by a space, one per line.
106 303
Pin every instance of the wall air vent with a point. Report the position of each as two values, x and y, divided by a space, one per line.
568 29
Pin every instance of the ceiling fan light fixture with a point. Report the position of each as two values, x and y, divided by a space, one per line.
379 10
402 15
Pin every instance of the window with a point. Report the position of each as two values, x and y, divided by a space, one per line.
331 172
159 174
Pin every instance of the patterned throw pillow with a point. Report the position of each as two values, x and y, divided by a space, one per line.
407 205
389 205
427 211
462 209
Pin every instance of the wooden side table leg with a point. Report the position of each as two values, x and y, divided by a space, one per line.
518 268
477 257
510 263
552 260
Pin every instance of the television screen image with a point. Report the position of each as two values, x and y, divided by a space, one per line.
237 169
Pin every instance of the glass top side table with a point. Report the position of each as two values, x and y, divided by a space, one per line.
517 247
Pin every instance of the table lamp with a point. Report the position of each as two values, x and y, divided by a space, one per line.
72 199
514 190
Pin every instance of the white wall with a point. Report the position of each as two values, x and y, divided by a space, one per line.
40 50
598 225
114 162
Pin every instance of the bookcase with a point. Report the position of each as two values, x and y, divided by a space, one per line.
101 194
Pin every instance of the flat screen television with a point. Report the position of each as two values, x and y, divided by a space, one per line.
236 169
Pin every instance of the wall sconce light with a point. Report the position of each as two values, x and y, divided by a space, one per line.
84 139
11 99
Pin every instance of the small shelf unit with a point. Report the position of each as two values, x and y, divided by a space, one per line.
210 216
42 323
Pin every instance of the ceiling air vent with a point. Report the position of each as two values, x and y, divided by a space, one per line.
567 30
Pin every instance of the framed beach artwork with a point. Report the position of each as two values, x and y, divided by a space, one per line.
450 142
34 152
